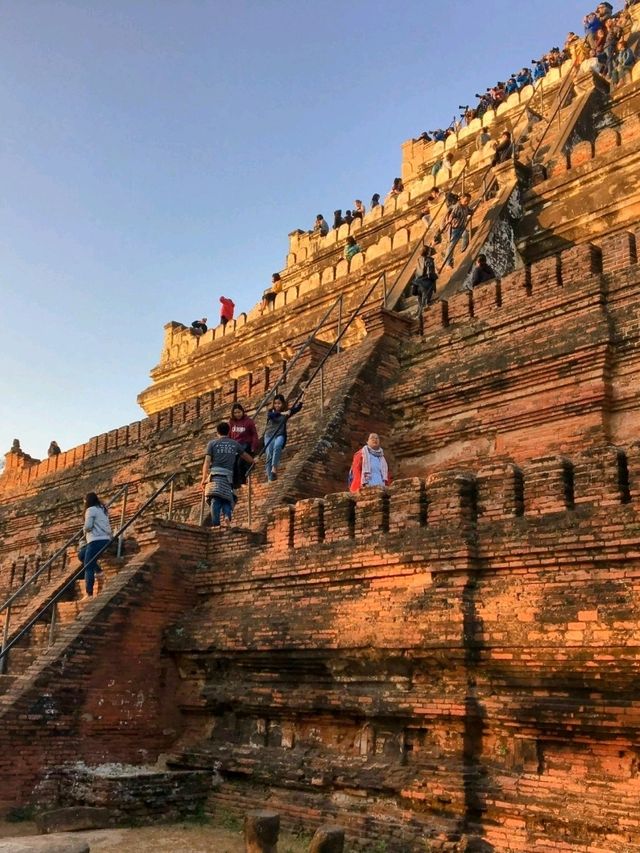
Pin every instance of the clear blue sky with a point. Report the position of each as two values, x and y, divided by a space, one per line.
156 153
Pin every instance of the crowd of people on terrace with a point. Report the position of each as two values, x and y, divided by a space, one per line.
229 459
604 44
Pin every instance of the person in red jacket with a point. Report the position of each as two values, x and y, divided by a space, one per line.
369 467
243 430
226 312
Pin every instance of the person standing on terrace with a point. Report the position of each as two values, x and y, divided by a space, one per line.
369 467
226 311
275 435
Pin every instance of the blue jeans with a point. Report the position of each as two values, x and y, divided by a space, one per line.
219 505
273 452
460 235
91 567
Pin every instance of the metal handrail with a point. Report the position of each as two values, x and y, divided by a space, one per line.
560 99
7 646
303 347
58 553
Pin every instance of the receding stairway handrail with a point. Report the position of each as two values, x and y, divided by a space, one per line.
7 646
75 538
303 347
560 99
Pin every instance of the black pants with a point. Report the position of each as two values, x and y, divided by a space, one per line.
426 288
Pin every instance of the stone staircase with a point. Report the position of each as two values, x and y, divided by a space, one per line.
46 630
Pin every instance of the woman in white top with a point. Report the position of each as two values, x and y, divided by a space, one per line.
97 531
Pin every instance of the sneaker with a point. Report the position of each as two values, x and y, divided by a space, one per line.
274 475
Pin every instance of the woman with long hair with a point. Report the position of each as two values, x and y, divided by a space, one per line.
275 435
97 532
242 429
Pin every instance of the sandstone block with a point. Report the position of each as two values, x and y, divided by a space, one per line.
74 819
48 844
261 829
328 839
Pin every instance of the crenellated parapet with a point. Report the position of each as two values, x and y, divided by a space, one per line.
455 500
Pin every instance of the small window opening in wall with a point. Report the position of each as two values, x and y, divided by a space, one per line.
518 491
623 478
569 488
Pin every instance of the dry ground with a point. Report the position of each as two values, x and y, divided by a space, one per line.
173 838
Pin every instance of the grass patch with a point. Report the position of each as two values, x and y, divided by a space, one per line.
227 820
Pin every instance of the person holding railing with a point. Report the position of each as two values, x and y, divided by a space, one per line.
425 278
275 434
503 148
456 221
217 473
97 532
242 429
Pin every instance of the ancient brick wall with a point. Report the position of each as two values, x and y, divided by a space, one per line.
454 659
104 692
546 360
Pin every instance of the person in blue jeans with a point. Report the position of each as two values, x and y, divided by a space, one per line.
456 221
275 435
217 472
97 532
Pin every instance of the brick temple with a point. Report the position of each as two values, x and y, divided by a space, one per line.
450 664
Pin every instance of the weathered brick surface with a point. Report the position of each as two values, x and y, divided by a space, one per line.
104 691
469 667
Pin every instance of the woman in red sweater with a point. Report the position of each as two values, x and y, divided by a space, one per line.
243 430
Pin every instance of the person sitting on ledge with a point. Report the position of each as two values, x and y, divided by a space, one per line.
199 327
226 312
54 449
511 85
375 200
482 271
398 186
348 217
269 296
369 467
337 218
351 249
321 227
358 210
523 78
